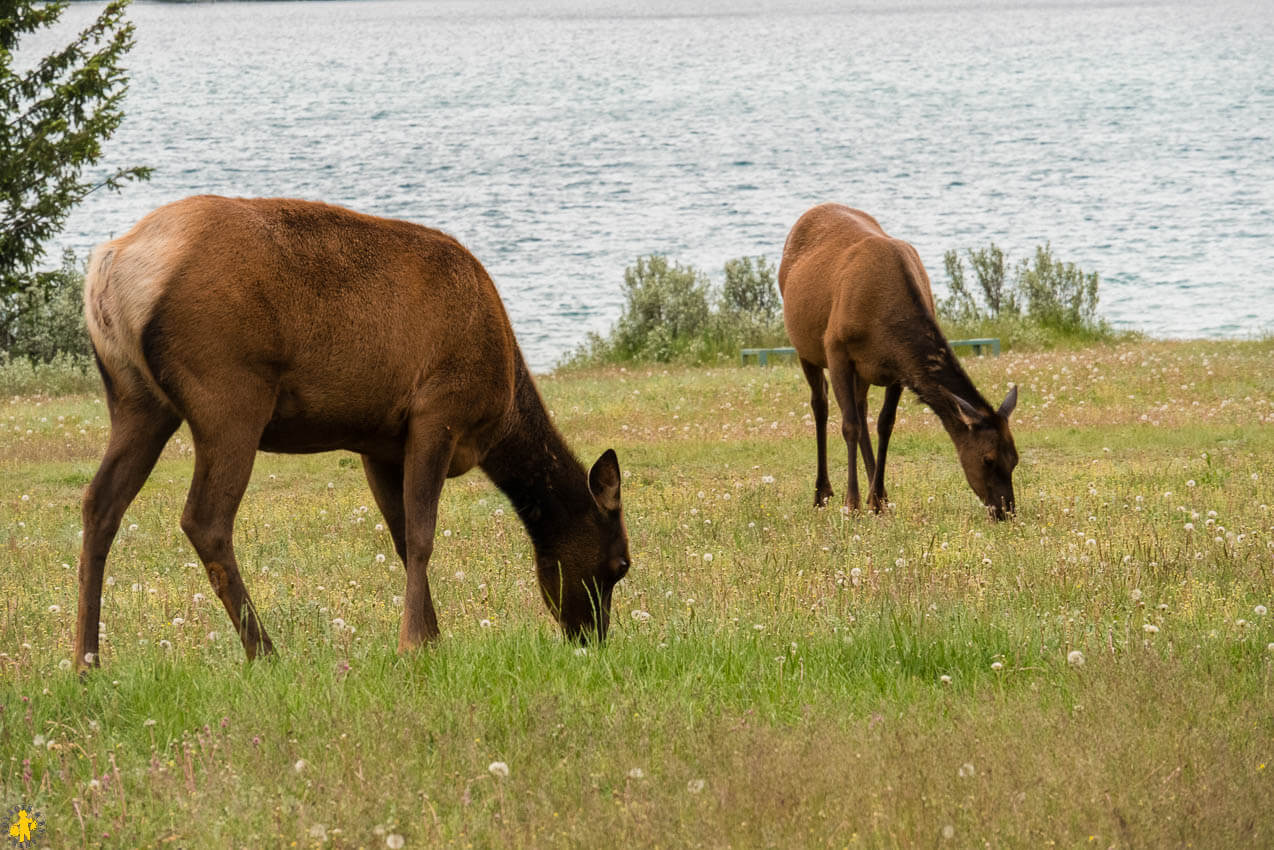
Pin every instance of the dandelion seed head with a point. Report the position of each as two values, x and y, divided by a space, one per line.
694 786
394 841
1075 658
499 769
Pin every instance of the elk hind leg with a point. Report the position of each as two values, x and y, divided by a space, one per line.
864 435
139 430
818 405
843 378
223 465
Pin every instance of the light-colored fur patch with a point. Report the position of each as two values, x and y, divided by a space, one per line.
126 277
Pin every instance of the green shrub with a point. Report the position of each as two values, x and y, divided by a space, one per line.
751 290
63 374
670 314
47 318
1058 294
666 309
1045 301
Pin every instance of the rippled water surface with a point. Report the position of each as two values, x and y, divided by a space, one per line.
560 139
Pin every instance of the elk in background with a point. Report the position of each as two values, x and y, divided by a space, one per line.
290 326
857 303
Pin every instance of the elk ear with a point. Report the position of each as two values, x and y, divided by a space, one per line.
1010 402
603 481
968 414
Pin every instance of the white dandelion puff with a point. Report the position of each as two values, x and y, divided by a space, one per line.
1075 658
499 768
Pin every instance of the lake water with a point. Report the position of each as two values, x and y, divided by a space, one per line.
561 139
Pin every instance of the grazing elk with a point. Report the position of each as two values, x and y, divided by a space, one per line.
291 326
857 303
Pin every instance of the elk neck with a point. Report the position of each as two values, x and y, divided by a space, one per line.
535 468
932 366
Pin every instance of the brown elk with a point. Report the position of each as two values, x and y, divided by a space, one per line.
857 302
291 326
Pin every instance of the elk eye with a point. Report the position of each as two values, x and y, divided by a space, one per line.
621 567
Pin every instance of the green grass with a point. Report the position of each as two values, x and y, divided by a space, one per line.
787 691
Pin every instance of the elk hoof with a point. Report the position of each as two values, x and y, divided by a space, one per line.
821 496
877 503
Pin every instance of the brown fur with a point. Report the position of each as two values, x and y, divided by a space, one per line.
292 326
857 302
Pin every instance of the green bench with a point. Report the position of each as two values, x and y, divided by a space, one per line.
762 355
977 345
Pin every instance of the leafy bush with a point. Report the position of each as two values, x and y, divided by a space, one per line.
666 309
1043 293
751 291
64 374
670 314
47 318
1056 293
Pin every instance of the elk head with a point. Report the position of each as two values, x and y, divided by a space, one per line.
987 453
580 567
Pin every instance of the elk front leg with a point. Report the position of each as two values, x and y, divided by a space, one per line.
429 450
818 404
876 496
386 483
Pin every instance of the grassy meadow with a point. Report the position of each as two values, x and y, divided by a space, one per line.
1098 672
